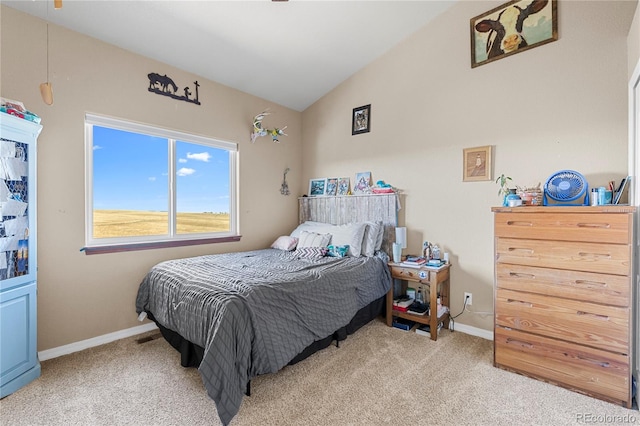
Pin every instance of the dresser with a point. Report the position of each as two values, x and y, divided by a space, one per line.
563 297
19 363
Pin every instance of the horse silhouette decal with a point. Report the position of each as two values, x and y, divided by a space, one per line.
164 85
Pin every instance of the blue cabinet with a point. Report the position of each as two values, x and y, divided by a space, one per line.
19 363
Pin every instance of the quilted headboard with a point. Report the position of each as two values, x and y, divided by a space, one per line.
340 210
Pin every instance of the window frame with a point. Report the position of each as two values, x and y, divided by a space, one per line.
172 238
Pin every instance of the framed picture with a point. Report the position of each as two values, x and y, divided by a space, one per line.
476 164
332 186
361 120
512 28
343 186
362 183
317 187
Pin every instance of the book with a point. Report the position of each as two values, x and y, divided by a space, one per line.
403 324
425 329
414 260
618 193
402 304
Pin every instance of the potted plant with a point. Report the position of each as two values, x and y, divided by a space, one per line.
504 190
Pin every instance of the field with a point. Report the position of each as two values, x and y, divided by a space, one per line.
129 223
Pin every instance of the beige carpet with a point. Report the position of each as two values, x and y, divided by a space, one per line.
378 376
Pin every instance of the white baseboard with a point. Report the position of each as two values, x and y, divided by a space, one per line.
474 331
94 341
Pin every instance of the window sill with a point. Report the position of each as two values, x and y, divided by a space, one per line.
156 245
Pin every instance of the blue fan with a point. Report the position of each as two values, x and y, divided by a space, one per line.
566 187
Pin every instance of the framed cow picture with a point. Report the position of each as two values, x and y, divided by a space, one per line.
512 28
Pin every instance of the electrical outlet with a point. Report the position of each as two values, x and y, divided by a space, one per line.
469 298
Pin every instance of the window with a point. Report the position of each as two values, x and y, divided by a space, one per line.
146 185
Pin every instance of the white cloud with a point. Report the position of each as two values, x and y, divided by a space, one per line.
185 171
201 156
152 178
95 147
182 160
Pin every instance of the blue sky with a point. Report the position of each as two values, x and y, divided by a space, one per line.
130 172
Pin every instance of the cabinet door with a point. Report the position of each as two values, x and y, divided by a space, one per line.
18 353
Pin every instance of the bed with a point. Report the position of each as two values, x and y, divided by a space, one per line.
239 315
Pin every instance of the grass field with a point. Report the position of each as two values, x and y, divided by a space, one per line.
133 223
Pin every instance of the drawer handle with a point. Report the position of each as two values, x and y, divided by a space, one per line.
526 250
594 361
594 225
520 302
516 223
585 254
590 283
407 273
520 343
521 275
598 316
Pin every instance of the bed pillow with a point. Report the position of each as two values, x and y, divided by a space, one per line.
311 226
349 235
311 252
313 239
285 242
372 234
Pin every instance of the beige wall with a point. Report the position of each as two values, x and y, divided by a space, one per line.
559 106
80 296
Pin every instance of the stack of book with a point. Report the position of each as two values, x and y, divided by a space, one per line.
425 329
418 308
402 304
403 324
414 261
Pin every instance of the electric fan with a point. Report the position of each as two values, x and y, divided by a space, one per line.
566 187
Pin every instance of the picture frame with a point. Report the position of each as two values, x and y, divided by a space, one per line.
494 34
344 186
361 120
332 186
477 163
362 184
317 187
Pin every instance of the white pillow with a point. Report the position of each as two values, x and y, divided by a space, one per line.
313 239
310 226
370 238
351 235
285 243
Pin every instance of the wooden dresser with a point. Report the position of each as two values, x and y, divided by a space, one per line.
563 297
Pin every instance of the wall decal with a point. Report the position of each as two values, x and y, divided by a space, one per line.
163 85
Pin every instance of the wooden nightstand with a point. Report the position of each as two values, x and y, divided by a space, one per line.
436 279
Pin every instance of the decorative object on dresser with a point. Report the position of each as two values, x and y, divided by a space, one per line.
563 308
19 363
566 188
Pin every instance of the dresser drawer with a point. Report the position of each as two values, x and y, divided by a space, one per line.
585 227
588 257
599 326
587 286
596 372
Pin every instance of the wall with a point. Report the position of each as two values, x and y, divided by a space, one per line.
633 42
559 106
80 296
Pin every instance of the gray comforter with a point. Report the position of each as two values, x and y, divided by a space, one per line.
254 311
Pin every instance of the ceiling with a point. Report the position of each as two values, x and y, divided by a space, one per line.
291 53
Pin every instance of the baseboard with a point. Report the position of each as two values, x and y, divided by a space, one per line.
474 331
94 341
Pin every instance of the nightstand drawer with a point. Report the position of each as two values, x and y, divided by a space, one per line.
585 227
588 257
599 326
422 275
591 287
603 373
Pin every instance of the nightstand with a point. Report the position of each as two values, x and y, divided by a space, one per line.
437 281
